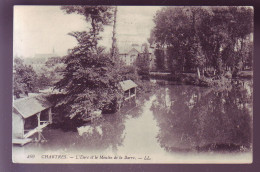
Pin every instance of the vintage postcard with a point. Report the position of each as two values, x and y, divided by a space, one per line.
133 84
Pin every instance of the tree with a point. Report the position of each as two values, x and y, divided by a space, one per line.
53 69
172 33
54 61
222 31
202 37
143 63
89 82
151 39
98 16
43 81
159 59
114 49
24 78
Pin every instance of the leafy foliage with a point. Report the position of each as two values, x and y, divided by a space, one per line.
143 63
203 37
159 59
24 78
98 16
53 61
89 82
53 69
43 81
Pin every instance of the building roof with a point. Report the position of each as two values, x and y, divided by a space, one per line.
127 84
29 106
125 48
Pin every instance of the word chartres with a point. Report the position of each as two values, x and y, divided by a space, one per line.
54 157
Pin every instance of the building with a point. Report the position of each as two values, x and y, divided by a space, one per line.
39 60
30 116
46 56
129 52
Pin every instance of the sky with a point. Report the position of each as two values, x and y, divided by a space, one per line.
40 29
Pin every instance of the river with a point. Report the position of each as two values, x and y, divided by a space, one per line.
174 124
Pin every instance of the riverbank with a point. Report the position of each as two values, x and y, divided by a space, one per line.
245 74
203 81
146 87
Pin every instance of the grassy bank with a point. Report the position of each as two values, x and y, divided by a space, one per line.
203 81
245 75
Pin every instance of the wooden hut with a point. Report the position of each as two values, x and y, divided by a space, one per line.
30 116
129 88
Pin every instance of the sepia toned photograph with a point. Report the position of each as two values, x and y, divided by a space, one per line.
133 84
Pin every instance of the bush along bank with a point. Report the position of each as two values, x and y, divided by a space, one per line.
193 79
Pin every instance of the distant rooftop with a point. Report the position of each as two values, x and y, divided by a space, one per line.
46 55
125 48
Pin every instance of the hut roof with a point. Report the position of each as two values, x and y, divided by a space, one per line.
31 105
127 84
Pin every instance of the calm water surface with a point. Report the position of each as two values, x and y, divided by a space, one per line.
173 119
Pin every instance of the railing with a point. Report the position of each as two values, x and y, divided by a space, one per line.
129 97
39 128
43 122
26 131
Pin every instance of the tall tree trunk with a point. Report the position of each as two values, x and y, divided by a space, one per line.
199 96
198 72
94 29
241 52
114 36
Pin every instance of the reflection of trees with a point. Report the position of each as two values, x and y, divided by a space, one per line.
204 118
104 133
107 133
174 122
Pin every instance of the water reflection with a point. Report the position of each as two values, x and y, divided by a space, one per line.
193 118
175 118
105 134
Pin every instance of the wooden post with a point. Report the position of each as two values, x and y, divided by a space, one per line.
135 96
23 127
39 123
119 106
38 117
50 115
135 93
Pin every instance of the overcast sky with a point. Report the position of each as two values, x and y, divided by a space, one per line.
39 29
